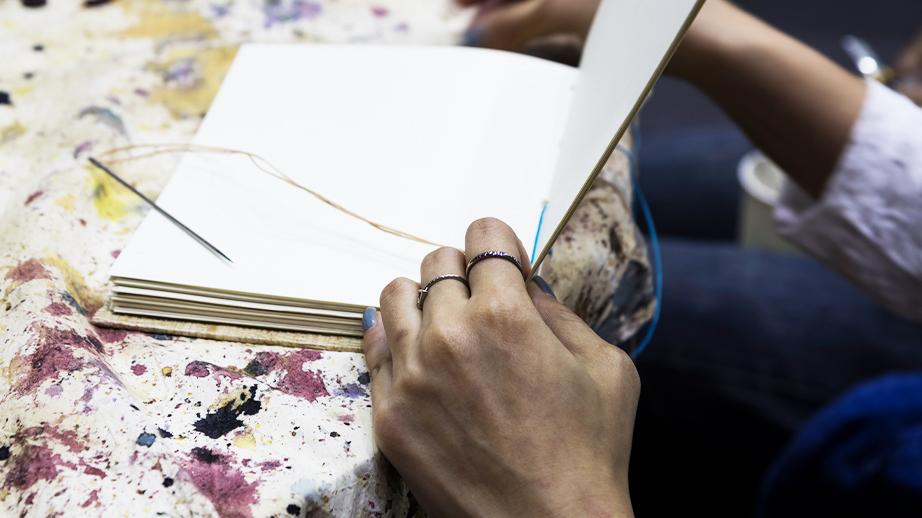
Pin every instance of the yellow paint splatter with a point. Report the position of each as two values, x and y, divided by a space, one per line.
158 19
65 202
22 91
167 371
245 440
193 99
75 282
112 200
11 132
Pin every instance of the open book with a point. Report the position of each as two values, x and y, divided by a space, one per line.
420 139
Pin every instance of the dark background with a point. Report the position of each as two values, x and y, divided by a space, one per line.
887 25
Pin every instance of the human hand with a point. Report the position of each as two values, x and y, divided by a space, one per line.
510 25
908 69
498 401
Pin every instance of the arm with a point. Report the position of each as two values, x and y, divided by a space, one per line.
794 104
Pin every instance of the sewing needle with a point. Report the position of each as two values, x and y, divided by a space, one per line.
161 211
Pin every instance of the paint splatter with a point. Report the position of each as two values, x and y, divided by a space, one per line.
197 369
110 335
11 132
58 309
94 496
164 434
296 381
146 439
226 487
105 116
281 12
365 378
27 271
138 369
270 465
351 391
84 147
33 463
5 99
379 12
226 418
34 195
53 357
73 302
54 390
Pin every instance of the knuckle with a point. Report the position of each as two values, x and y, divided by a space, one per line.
445 338
486 227
441 255
397 290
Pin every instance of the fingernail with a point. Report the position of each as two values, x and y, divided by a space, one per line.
473 37
545 287
368 319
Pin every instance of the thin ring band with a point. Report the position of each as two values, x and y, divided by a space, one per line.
421 294
491 254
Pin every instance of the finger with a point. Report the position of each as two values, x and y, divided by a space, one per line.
493 276
446 297
377 355
596 355
400 317
526 262
510 27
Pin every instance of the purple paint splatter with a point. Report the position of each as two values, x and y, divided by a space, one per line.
59 309
138 369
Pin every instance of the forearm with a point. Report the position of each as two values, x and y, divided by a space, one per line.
794 104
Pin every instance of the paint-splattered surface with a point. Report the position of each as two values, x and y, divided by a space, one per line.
101 422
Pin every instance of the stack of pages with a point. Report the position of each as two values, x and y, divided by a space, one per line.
420 139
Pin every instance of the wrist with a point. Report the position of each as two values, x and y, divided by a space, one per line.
592 494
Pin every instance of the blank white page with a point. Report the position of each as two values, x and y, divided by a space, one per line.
628 46
421 139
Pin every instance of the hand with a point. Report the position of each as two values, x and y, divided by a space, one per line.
510 25
500 402
908 68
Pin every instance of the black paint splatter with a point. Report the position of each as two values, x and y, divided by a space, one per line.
293 509
334 434
225 419
167 482
5 98
157 336
146 439
4 452
95 3
365 378
34 3
73 302
163 433
255 368
205 455
38 48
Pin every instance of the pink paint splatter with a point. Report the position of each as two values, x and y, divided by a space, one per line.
270 465
27 271
86 146
227 488
59 309
138 369
51 358
380 12
34 195
54 390
142 92
94 495
33 463
346 418
197 369
110 335
116 253
296 381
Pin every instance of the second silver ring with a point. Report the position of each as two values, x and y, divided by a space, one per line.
423 293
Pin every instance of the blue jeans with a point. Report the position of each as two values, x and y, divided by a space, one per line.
749 345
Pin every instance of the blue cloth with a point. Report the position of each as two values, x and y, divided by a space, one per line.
861 456
750 345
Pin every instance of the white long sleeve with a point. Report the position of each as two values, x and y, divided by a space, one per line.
867 226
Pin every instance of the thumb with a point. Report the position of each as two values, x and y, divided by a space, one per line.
598 357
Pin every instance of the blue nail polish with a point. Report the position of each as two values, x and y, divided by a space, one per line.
473 37
545 287
368 319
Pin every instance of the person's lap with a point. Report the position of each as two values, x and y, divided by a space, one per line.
750 343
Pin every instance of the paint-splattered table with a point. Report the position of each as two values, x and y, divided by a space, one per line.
102 422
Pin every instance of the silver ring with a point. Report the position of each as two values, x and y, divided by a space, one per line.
421 294
491 254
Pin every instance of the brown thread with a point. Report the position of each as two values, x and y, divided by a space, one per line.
262 164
